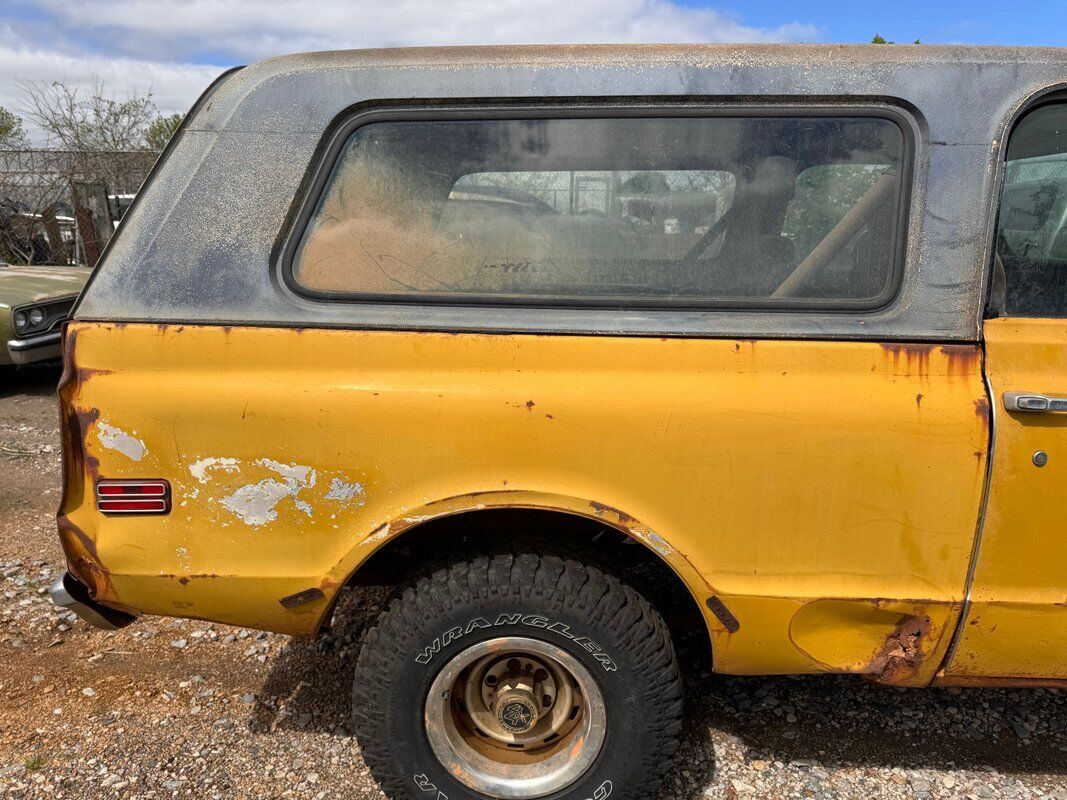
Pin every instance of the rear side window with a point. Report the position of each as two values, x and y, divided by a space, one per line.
755 210
1032 228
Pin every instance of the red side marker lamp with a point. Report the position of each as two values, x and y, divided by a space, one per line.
133 497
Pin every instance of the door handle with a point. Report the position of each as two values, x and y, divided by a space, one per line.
1034 403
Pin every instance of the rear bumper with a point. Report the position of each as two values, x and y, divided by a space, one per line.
69 593
40 347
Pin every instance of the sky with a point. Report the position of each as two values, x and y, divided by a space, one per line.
175 49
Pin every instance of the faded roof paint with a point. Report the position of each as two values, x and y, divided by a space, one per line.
200 244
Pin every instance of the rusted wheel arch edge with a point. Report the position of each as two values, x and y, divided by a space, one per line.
390 532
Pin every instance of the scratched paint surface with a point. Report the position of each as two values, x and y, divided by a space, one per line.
775 475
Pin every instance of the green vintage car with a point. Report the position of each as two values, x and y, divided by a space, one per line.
34 301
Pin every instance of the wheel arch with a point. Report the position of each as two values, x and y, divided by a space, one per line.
604 534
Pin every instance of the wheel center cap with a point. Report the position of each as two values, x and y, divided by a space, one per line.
516 713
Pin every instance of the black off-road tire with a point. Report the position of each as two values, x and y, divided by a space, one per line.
562 601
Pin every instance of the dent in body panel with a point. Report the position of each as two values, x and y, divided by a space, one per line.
887 640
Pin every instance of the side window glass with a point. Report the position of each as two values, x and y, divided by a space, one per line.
669 209
1031 251
739 211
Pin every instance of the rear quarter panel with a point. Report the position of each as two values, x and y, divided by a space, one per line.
826 492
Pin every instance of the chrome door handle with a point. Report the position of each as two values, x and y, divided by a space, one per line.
1035 403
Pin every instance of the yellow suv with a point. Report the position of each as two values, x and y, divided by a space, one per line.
584 350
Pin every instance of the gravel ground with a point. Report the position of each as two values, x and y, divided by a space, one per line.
169 708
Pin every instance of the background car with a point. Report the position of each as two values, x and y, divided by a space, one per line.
34 301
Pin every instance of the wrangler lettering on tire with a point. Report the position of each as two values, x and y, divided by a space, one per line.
518 675
532 620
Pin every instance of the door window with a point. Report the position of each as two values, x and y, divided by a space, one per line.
1031 253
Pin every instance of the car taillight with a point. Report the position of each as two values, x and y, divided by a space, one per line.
133 497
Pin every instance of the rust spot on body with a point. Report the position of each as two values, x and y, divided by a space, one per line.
912 359
82 374
602 510
82 559
80 421
79 467
963 359
184 579
900 655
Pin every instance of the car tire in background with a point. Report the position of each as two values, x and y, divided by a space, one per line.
518 675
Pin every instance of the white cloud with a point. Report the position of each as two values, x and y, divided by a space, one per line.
251 29
133 45
174 86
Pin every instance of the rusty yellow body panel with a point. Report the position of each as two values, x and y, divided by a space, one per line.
1017 622
826 492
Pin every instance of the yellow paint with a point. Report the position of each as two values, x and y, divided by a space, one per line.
825 492
1017 624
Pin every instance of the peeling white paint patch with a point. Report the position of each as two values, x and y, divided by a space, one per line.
117 439
379 535
199 469
345 492
254 504
291 472
653 540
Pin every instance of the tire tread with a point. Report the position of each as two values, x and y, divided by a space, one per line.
562 581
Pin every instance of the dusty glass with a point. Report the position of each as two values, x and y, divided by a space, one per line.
612 211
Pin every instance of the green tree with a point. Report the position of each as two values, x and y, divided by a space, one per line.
12 134
161 129
879 40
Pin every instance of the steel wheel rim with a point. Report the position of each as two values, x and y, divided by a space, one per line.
480 757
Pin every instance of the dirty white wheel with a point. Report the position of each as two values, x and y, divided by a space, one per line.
515 718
